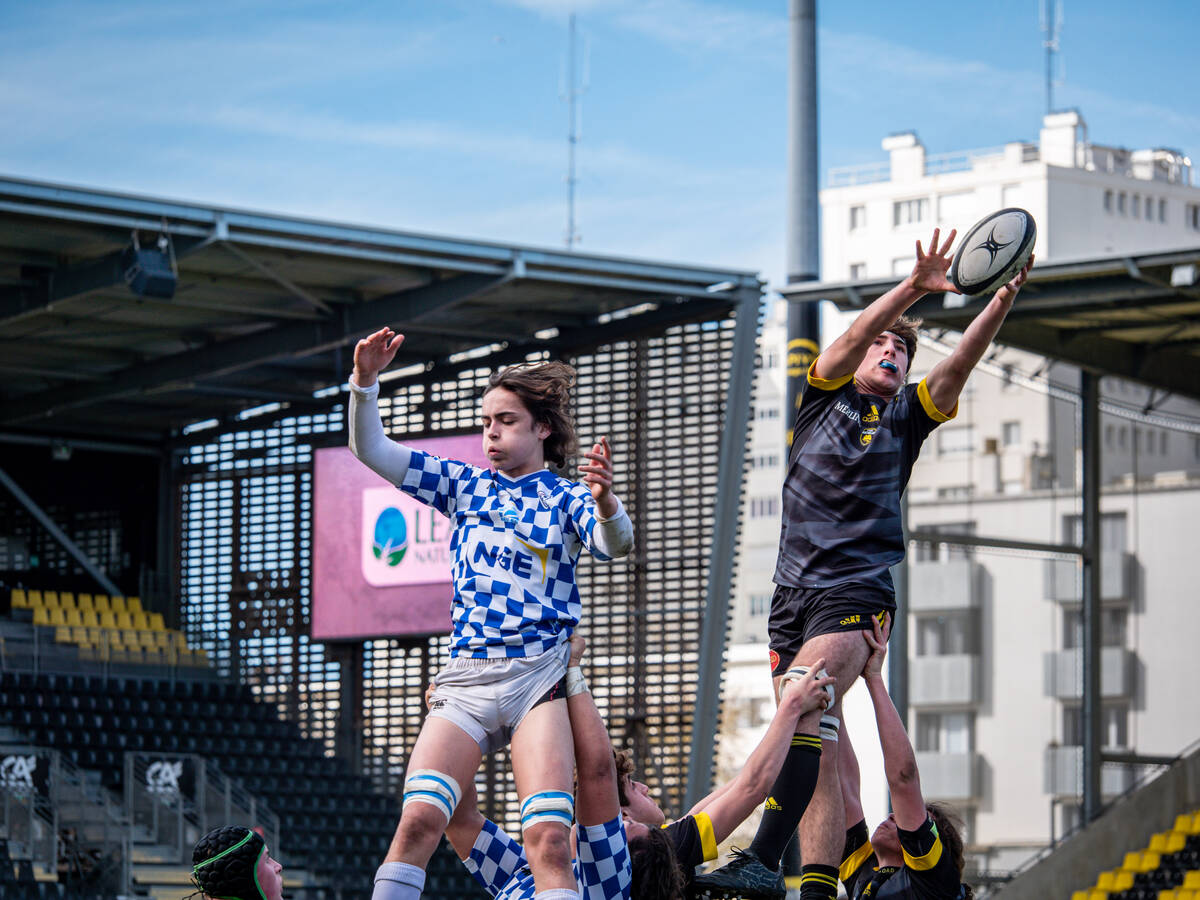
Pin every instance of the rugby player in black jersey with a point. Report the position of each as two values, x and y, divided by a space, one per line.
858 429
916 852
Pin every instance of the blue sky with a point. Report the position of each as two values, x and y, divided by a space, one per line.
445 115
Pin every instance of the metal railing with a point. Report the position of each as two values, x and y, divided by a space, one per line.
176 798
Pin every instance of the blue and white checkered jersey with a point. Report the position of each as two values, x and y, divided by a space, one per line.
514 550
602 867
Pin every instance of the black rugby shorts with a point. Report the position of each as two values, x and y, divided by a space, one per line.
800 614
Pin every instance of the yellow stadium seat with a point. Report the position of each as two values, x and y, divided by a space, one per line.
1104 882
1122 881
50 598
89 618
93 635
1079 895
41 616
140 620
108 620
1191 880
180 640
62 635
57 616
133 605
72 616
1097 895
35 598
117 604
100 603
84 601
1149 861
129 638
67 599
124 620
20 600
156 621
161 639
1166 894
146 639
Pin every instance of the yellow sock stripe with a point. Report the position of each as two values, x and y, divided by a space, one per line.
820 877
806 740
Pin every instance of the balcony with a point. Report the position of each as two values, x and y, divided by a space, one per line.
1064 584
1064 774
938 586
949 776
1062 673
944 680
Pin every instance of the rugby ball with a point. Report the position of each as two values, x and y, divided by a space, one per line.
993 251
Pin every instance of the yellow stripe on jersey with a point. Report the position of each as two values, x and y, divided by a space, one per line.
927 404
929 860
708 838
854 861
825 384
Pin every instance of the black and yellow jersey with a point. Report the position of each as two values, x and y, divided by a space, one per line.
694 841
928 872
850 460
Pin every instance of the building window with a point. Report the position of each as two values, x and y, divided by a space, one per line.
1122 199
954 441
1109 431
1011 434
956 492
931 552
763 507
1108 197
760 604
1162 443
1114 726
764 461
1137 206
1149 209
1162 210
1113 627
767 412
947 634
1192 216
858 271
858 217
948 732
910 212
768 360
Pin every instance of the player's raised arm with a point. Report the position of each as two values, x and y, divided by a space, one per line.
947 379
614 530
367 440
843 356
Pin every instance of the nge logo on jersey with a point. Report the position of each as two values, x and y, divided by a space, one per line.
529 563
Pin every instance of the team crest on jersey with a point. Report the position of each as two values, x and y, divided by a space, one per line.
867 435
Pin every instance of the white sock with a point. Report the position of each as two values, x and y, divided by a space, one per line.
398 881
557 894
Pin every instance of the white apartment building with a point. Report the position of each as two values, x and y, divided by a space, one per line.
994 637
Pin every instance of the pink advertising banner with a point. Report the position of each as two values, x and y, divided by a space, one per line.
381 560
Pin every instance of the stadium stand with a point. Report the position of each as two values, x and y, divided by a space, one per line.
1167 869
333 823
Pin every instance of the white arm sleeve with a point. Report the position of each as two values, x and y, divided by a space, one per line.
614 537
367 440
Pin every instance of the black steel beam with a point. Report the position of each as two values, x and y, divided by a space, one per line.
237 353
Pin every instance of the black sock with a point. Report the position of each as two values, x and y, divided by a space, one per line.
789 797
818 882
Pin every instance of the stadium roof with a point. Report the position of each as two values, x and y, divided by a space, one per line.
267 308
1136 317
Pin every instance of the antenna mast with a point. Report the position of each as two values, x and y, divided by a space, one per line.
1052 20
571 94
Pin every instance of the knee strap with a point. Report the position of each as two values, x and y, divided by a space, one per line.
435 788
829 728
547 806
795 673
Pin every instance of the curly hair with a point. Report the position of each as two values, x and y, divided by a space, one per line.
906 328
656 871
624 762
545 390
224 863
949 828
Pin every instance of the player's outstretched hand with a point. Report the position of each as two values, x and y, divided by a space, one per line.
373 354
808 691
598 471
877 639
929 271
1008 293
578 648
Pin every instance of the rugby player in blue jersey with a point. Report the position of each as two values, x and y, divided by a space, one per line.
518 531
859 427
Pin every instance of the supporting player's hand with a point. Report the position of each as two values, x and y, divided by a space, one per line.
429 694
929 271
809 692
578 648
877 639
373 354
1008 293
598 475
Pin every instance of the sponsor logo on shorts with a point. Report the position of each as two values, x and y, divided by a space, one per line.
437 704
774 660
851 620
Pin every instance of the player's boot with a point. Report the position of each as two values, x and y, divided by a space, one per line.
745 877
